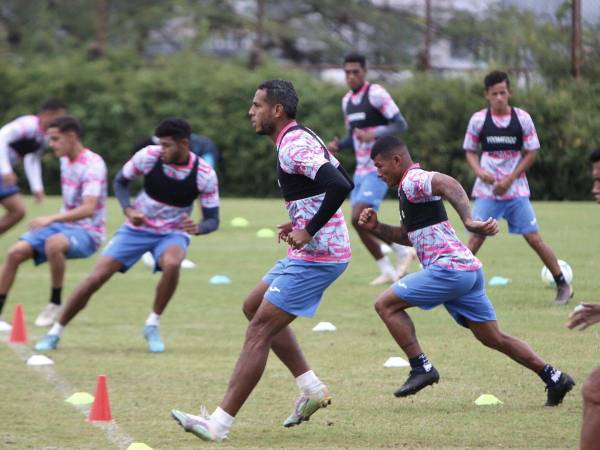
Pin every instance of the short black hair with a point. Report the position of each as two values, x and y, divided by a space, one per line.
282 92
53 104
173 127
356 58
495 77
385 145
595 156
67 123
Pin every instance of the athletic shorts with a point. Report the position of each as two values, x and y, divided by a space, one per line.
462 293
81 244
7 190
369 189
297 286
518 212
128 245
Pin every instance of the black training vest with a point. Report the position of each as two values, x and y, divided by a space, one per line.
420 215
364 114
164 189
26 145
295 186
494 139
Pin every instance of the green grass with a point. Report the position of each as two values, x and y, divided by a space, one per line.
203 329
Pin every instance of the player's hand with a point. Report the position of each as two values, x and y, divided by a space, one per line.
588 314
283 230
9 179
486 176
188 225
364 135
298 238
368 219
40 222
39 197
501 186
487 227
136 217
333 146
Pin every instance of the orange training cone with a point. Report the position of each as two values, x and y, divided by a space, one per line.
18 334
100 411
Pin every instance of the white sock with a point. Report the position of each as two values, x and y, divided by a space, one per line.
153 319
309 383
385 266
57 329
400 250
222 420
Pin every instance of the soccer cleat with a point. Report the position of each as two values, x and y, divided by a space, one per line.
384 278
557 393
48 342
199 426
404 262
152 335
417 381
306 406
48 315
564 293
4 326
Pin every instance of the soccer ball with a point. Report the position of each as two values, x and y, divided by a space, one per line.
548 279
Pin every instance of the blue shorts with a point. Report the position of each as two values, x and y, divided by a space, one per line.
518 212
128 245
369 189
6 190
462 293
296 286
81 244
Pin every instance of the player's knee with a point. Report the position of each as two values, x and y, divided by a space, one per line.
17 254
534 239
248 308
591 388
17 213
381 306
55 245
170 261
96 279
492 340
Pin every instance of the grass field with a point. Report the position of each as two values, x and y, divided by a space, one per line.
203 329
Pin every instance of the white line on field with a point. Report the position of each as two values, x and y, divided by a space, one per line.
112 431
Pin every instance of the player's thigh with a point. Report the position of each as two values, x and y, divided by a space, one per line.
484 208
472 305
521 217
268 320
12 201
254 298
56 243
171 249
390 301
369 193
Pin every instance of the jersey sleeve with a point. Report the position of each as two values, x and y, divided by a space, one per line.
302 156
22 127
32 163
95 179
383 101
530 137
417 185
471 142
141 163
208 185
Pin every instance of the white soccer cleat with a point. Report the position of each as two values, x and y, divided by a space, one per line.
404 262
384 278
306 406
48 315
200 426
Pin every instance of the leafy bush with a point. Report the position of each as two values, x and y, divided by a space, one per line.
122 98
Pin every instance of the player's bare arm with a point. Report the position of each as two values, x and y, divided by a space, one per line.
368 221
450 189
503 185
473 161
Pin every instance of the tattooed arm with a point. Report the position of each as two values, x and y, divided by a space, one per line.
387 233
450 189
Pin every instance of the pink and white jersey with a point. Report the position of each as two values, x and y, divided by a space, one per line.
437 244
24 128
381 100
301 153
159 217
86 176
501 163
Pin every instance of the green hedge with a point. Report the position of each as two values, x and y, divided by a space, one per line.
122 98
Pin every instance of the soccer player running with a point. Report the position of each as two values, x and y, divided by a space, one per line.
451 275
370 113
501 188
24 138
582 317
158 222
314 186
77 230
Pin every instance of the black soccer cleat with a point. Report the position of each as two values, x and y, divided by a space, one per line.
558 392
417 381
